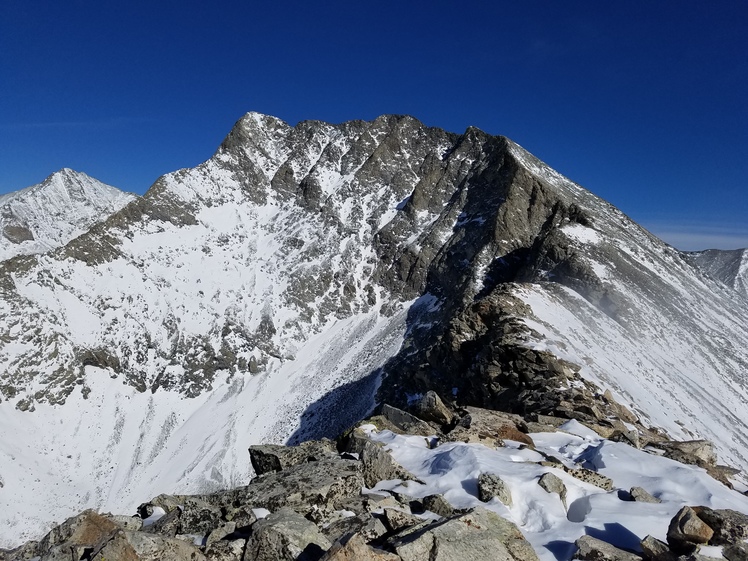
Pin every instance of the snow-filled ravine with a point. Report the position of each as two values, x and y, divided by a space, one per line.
452 469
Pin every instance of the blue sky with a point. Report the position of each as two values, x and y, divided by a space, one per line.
643 103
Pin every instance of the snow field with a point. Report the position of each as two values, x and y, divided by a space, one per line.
452 469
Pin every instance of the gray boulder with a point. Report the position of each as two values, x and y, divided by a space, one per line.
593 549
396 519
729 526
376 463
641 495
404 422
305 487
656 550
478 534
432 408
353 547
271 457
139 546
492 486
225 550
696 452
438 505
285 535
366 525
553 484
489 428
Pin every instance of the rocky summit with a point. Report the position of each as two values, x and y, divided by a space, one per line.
303 277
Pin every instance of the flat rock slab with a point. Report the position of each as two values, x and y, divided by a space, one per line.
479 534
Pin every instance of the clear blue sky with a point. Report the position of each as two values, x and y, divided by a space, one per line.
643 103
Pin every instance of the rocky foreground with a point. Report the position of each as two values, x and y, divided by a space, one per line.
345 500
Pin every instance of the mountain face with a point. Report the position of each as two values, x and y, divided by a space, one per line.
281 289
48 215
729 266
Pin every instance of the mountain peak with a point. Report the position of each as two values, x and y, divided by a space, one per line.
50 214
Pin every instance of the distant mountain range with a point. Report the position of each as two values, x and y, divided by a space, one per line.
302 275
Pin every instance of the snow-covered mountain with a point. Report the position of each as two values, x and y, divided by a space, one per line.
729 266
48 215
270 293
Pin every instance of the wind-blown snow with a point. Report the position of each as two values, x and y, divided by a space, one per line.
452 469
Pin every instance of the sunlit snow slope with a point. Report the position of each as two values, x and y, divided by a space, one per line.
256 297
50 214
668 340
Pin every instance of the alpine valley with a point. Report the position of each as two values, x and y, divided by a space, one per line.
302 277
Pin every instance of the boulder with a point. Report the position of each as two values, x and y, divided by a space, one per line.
78 533
134 523
199 517
729 526
641 495
478 534
489 428
432 408
285 535
225 550
271 457
593 549
168 525
656 550
353 547
553 484
492 486
305 487
686 531
405 423
366 525
438 505
696 452
396 519
377 463
139 546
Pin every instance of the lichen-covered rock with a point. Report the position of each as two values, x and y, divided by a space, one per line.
139 546
225 550
366 525
376 463
284 536
271 457
729 526
478 534
492 486
353 547
397 519
322 484
438 505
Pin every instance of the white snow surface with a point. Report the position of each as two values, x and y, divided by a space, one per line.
62 207
452 469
